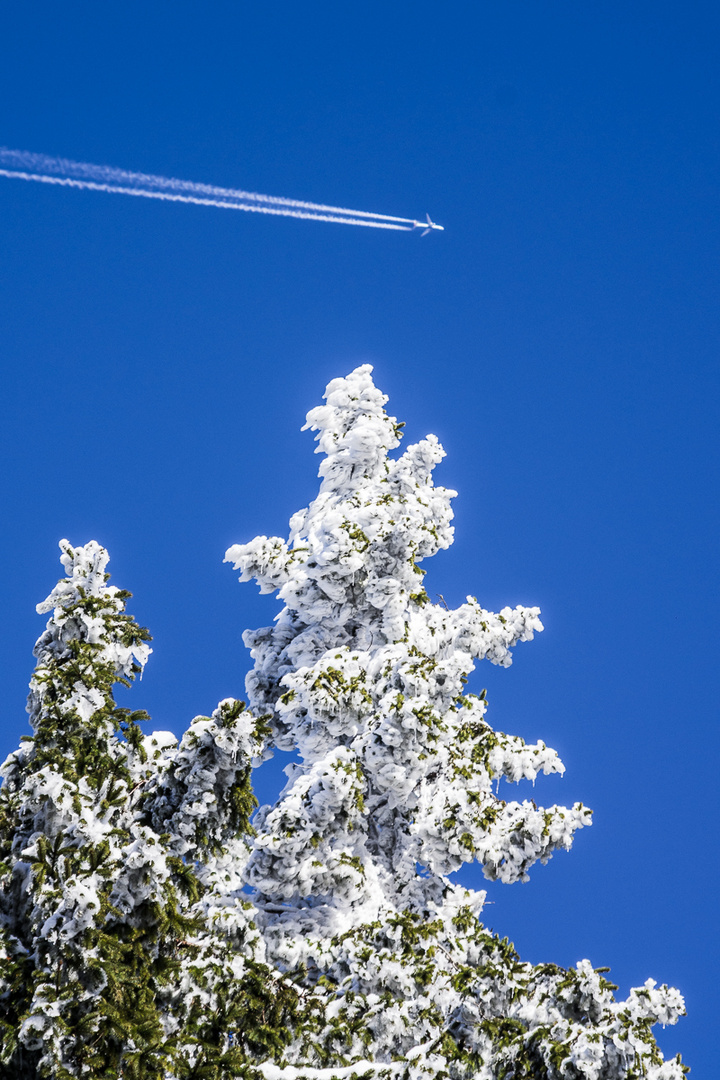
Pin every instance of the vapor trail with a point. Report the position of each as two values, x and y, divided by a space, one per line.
21 165
172 196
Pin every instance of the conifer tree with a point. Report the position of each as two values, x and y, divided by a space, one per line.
365 678
149 930
126 947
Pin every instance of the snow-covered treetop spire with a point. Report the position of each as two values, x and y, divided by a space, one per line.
364 677
349 570
354 431
88 645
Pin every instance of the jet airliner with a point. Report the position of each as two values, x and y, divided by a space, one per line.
427 226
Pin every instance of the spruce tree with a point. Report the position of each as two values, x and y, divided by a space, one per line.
150 930
365 679
127 948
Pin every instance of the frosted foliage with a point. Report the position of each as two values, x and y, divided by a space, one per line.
365 677
397 786
96 826
149 930
70 622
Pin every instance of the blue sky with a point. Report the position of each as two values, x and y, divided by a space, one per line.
560 337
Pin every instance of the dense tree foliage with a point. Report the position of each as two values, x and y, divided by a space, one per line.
150 930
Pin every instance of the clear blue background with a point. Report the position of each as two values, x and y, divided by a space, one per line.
560 337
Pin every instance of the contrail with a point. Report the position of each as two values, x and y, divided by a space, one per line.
21 165
171 196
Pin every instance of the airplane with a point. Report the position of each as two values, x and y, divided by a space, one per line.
427 227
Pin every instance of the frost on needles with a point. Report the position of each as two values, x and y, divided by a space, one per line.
149 930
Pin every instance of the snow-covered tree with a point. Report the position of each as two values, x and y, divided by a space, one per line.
126 946
149 930
365 678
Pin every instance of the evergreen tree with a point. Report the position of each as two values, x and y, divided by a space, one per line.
127 949
365 678
149 931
